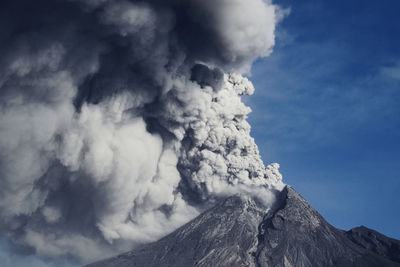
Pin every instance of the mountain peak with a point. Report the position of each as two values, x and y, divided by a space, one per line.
240 231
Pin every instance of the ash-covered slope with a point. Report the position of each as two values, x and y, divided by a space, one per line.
240 232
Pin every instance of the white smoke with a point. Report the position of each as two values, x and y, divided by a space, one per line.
246 28
218 151
112 133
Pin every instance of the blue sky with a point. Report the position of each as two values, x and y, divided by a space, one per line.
327 109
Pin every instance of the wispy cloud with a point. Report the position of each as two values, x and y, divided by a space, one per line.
392 71
10 258
315 92
326 108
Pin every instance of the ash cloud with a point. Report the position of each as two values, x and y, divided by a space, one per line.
121 120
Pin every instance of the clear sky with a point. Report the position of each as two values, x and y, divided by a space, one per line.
327 109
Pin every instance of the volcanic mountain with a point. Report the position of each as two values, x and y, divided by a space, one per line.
240 231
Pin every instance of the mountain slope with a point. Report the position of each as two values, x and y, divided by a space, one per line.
240 232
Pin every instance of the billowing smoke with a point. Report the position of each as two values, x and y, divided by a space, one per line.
120 120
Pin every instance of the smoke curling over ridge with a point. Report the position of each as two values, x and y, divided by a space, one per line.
121 119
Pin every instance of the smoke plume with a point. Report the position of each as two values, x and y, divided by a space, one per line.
121 119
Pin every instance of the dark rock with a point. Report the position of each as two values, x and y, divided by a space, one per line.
239 231
375 242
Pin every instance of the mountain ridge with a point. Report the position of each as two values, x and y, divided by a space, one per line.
239 231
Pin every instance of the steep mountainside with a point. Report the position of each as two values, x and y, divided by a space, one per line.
240 232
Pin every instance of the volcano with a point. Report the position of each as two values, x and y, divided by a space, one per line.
240 231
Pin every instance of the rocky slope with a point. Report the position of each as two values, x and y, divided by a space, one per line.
240 232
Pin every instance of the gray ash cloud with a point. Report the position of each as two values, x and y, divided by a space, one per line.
121 119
